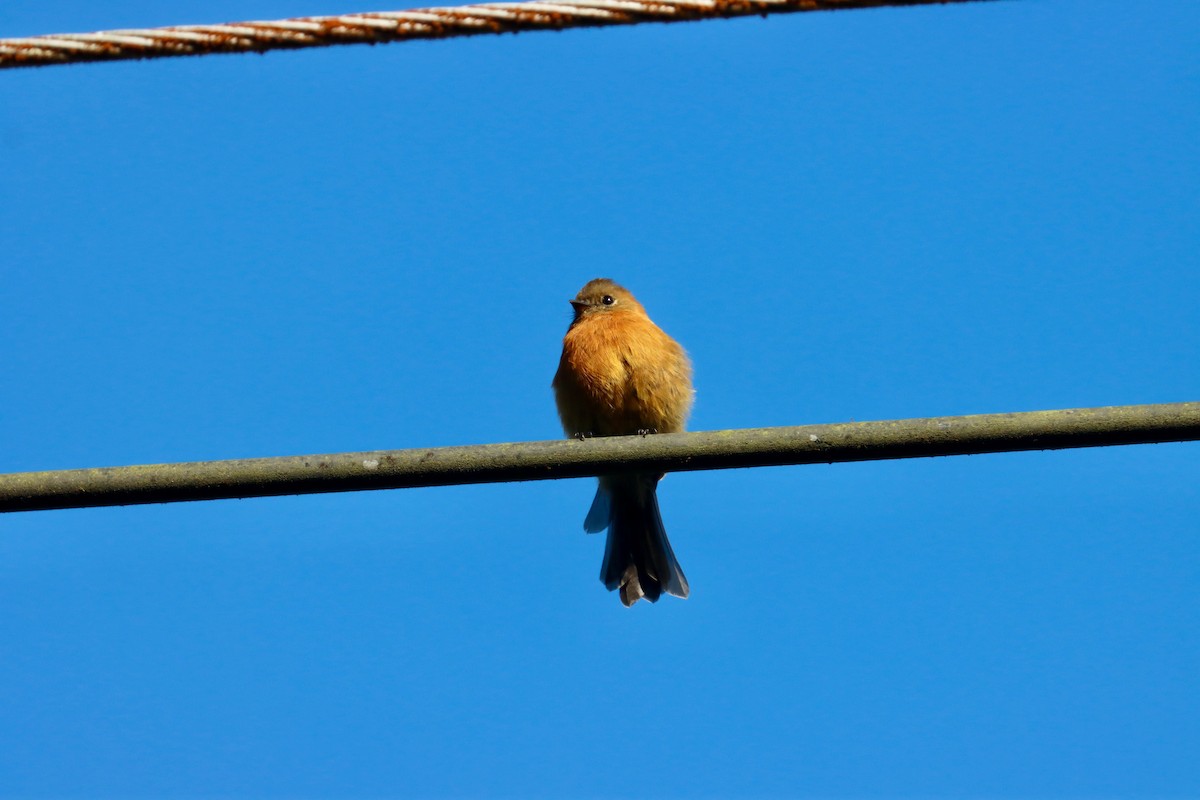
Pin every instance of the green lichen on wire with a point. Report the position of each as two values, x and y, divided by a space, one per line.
526 461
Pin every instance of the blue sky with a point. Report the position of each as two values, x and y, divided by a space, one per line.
861 215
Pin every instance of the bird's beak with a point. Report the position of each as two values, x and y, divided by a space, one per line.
577 304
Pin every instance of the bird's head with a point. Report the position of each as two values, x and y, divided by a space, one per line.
603 296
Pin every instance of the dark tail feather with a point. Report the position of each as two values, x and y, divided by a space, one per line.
638 558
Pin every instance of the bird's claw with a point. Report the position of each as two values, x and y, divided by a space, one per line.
581 435
643 432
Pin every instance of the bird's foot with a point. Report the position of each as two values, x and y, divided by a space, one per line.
644 432
581 435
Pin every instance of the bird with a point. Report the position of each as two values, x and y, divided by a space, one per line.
620 375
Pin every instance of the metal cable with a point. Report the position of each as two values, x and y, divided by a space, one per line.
528 461
393 26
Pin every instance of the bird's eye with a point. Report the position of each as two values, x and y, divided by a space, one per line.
607 300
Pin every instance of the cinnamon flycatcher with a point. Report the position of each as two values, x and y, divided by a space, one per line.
620 374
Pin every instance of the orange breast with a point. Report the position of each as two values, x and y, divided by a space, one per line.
621 374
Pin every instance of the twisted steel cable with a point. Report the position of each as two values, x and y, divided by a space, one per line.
393 26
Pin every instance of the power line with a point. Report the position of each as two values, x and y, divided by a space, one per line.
526 461
394 26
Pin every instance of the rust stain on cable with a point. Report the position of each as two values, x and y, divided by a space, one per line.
394 26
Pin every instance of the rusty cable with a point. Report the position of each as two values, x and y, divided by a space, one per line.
393 26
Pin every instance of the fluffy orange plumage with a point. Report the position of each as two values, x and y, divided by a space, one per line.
621 374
